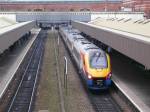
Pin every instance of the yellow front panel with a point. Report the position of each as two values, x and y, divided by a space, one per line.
98 72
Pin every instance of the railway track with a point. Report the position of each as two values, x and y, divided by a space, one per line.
103 102
23 98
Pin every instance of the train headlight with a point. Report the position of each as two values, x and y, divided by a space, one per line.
89 76
109 75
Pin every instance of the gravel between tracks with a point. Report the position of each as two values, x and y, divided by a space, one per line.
47 93
76 99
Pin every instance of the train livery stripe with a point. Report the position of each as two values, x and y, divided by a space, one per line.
85 69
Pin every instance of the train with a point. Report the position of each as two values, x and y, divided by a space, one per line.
93 63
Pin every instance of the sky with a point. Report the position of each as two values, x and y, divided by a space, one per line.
58 0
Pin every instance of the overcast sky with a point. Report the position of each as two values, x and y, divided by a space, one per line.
58 0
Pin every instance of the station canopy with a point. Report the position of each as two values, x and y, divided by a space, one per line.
5 22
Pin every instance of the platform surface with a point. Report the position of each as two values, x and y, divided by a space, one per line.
11 62
132 81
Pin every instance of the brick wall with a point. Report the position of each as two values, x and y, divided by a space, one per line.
111 6
138 5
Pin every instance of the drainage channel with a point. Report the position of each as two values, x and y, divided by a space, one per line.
22 100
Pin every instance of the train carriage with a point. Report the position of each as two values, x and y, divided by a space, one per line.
92 62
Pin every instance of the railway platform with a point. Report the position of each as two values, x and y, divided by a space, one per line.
132 81
10 64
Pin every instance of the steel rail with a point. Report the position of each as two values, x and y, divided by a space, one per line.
26 70
34 88
21 81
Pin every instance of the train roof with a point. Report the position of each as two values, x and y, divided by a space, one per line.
86 46
80 42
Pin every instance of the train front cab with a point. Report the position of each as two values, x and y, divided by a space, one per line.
97 79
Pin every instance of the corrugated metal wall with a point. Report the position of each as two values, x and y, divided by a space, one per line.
135 49
53 17
59 17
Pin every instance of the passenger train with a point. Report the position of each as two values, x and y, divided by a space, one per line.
93 63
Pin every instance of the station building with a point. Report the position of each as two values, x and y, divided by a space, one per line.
138 5
63 6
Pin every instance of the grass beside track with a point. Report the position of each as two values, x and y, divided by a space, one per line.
47 93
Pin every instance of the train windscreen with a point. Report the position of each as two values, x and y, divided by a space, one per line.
98 60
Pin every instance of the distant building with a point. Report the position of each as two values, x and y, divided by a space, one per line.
101 5
138 5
